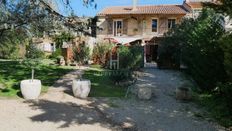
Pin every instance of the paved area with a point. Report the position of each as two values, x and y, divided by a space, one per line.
59 110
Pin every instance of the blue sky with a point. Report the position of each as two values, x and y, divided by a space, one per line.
81 10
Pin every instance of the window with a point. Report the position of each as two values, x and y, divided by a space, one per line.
118 28
154 25
171 23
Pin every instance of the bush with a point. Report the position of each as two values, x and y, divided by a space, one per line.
81 53
101 53
195 43
10 44
130 57
120 75
63 37
55 54
225 90
33 53
226 45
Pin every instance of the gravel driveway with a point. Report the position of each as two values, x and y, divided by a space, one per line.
163 112
59 110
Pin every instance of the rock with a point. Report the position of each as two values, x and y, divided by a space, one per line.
128 125
144 93
183 93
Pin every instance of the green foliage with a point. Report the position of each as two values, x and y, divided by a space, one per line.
130 57
81 53
55 54
195 43
226 44
102 85
10 42
12 72
63 37
119 75
217 107
224 7
31 63
101 53
34 53
225 91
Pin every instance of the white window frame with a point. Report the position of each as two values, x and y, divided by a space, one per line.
116 20
157 24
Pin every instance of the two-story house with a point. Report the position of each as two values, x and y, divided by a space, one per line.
144 24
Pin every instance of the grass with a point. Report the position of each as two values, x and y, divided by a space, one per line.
217 108
102 86
11 73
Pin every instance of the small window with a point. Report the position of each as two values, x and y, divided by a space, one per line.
171 23
154 25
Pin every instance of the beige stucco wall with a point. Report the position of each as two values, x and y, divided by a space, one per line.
137 24
103 25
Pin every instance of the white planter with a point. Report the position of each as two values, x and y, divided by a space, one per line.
30 89
81 88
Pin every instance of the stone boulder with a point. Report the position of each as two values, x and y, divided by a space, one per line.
183 93
144 92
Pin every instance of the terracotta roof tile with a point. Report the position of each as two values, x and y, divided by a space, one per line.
151 9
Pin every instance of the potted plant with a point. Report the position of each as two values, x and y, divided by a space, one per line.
81 88
31 88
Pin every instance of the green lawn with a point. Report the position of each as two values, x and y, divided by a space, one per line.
11 73
102 86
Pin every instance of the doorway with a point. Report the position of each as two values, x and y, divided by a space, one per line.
151 52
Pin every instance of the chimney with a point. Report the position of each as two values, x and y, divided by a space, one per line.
135 5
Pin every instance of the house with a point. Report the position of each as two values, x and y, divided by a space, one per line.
78 27
144 24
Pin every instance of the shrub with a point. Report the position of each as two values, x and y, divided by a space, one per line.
195 43
101 53
81 53
130 57
33 53
225 90
10 44
119 75
55 54
63 37
226 45
125 57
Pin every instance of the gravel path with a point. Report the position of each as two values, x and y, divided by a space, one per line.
59 110
55 110
163 112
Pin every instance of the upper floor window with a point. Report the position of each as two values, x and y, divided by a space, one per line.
154 25
118 28
171 23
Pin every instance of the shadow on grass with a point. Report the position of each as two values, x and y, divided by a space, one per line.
102 86
12 72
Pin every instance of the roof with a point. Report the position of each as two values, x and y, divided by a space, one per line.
149 9
195 5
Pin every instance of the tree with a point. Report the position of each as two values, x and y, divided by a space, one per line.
31 18
221 6
195 43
